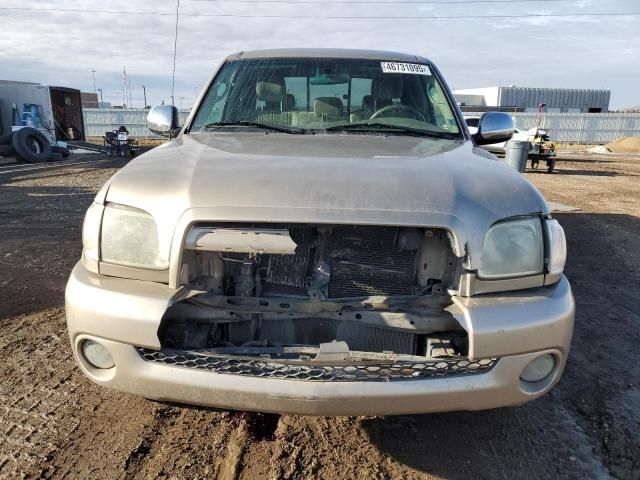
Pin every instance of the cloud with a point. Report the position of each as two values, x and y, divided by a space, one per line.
62 48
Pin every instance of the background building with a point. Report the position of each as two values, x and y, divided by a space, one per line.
89 100
525 99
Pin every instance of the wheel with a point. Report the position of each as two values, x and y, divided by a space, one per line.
5 139
109 152
31 145
61 150
551 165
6 150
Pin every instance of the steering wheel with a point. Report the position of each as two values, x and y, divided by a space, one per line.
418 115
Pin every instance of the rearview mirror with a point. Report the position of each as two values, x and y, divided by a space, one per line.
329 79
163 120
494 127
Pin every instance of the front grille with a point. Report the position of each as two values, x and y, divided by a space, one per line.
376 370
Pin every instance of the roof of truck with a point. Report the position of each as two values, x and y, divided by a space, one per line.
329 53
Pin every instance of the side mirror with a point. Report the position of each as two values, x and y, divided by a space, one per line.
494 127
163 120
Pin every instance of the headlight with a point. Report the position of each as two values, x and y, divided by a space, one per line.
91 232
130 237
557 248
513 248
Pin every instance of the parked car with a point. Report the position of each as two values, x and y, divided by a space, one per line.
323 236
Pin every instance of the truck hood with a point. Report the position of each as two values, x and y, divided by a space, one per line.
332 178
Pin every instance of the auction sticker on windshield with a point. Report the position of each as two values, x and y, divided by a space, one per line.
396 67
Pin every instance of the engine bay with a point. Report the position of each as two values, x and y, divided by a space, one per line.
376 288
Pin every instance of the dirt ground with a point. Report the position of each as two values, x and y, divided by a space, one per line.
54 423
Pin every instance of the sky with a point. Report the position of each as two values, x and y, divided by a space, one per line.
58 47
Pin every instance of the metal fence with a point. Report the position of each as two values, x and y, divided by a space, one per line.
582 128
97 121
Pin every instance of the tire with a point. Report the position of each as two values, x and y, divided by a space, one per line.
6 151
61 150
551 164
5 139
31 145
55 157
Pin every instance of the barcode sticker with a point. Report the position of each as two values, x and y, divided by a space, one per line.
414 68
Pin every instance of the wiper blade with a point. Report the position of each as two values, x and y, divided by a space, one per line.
266 126
376 126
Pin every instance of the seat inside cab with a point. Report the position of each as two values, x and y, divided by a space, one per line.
318 102
277 106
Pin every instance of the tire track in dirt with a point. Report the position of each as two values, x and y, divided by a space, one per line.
317 447
190 442
39 386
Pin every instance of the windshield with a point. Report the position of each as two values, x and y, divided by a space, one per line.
309 95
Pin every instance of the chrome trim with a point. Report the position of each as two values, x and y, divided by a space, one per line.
162 119
494 127
252 363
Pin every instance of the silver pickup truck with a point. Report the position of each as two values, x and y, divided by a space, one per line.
323 236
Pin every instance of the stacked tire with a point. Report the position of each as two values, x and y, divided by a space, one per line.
31 146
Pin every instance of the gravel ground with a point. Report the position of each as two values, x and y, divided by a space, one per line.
56 424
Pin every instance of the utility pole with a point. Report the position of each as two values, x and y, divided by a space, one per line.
181 99
175 52
101 101
124 87
95 90
144 93
93 73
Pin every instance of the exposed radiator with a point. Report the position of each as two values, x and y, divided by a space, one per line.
362 260
366 261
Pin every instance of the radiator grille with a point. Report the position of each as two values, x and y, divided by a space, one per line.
366 261
288 273
363 260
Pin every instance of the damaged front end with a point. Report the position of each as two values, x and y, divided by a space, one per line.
324 302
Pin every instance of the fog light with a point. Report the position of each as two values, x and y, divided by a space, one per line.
539 368
97 354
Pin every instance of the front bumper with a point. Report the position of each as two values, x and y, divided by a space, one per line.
517 327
